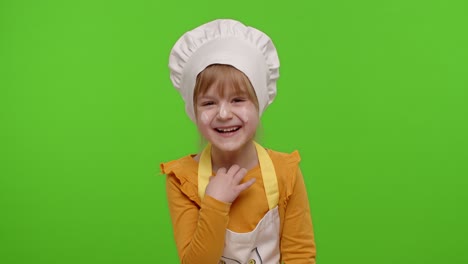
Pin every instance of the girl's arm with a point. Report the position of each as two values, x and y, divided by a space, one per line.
297 241
199 231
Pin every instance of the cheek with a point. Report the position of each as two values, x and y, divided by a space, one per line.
207 116
247 114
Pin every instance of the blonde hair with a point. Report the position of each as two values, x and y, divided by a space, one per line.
224 77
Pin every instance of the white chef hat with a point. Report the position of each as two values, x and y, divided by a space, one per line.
225 41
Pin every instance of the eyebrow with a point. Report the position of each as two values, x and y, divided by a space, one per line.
205 97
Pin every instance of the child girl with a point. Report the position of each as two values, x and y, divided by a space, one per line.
235 202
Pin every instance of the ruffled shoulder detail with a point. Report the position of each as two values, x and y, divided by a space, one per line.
185 171
286 166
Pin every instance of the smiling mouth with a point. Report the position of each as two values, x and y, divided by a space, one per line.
227 130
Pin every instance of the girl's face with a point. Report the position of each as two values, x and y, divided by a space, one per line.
228 121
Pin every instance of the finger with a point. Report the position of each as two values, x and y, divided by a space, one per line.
239 176
233 170
221 171
241 187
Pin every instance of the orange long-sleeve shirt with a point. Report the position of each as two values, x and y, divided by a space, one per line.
200 225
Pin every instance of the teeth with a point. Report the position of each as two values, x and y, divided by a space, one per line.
227 130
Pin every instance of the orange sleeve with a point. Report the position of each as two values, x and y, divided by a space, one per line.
297 241
199 231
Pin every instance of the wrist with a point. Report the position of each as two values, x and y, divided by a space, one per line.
212 203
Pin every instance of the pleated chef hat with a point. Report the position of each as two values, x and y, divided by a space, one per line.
225 41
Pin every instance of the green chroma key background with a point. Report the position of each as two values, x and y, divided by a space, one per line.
372 93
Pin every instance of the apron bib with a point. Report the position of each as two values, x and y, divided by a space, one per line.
260 245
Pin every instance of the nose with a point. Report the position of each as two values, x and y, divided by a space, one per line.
224 111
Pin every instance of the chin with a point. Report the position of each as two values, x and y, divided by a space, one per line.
227 146
231 145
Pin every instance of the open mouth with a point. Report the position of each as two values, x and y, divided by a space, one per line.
227 130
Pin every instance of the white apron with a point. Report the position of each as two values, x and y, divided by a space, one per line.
260 245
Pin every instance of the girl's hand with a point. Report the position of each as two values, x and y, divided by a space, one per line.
225 186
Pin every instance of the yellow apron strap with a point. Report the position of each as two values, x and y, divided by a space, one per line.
270 182
204 170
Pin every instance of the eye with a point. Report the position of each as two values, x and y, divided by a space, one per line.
207 103
239 99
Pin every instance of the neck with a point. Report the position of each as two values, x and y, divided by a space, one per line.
246 157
